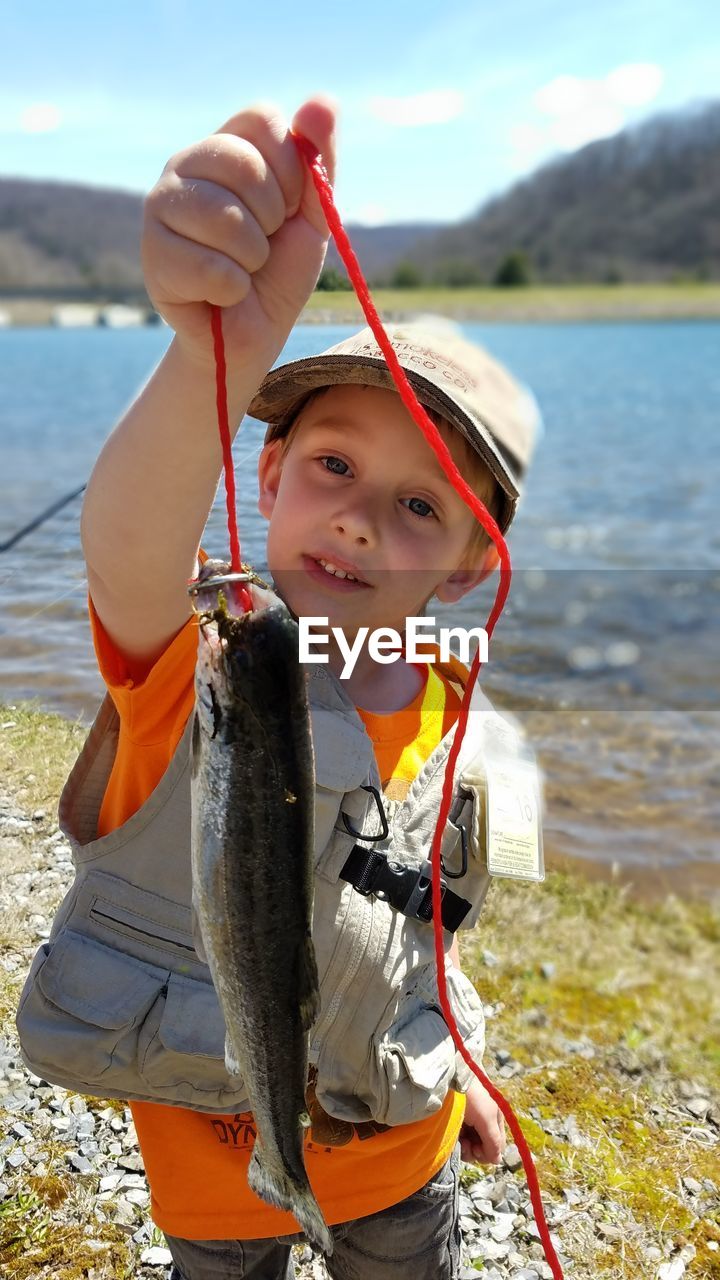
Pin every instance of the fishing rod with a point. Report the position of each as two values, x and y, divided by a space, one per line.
44 515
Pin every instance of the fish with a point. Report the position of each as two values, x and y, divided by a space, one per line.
252 872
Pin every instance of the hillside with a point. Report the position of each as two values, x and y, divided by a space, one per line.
640 206
64 238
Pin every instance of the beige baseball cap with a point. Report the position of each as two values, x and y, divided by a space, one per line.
497 415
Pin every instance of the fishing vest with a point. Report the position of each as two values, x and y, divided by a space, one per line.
119 1004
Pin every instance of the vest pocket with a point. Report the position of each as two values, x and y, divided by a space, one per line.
411 1067
106 1023
81 1009
182 1044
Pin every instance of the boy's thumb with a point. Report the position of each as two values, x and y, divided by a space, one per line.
315 120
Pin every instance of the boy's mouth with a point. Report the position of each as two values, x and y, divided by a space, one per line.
331 573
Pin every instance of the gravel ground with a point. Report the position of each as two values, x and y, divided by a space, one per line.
71 1171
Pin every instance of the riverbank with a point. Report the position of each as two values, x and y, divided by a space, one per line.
537 303
602 1016
561 303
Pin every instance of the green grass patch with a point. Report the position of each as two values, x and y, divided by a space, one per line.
549 302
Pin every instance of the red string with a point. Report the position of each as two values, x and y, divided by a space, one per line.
434 439
240 593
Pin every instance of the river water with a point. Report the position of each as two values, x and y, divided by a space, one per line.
608 648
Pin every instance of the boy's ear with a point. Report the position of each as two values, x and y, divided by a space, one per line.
269 470
460 581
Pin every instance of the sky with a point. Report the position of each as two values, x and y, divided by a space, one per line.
442 104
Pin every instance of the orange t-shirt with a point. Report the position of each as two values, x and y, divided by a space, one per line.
196 1163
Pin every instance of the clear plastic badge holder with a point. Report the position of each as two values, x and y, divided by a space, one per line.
507 817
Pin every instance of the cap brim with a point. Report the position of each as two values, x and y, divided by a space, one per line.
285 389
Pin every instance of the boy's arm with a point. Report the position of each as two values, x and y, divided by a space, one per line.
482 1137
235 221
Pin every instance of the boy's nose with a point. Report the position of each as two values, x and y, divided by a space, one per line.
356 524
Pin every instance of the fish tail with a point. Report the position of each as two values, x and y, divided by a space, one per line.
287 1194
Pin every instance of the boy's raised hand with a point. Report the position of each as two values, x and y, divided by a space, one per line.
235 220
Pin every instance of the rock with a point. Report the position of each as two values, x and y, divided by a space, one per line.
502 1057
512 1158
609 1231
498 1191
502 1228
489 959
515 1260
503 1206
132 1162
78 1162
693 1186
136 1195
548 969
673 1270
124 1214
698 1107
16 1159
156 1257
110 1181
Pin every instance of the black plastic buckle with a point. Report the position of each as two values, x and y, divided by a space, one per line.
407 889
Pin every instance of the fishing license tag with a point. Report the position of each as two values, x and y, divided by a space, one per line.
513 819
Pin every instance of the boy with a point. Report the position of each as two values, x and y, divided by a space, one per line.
364 529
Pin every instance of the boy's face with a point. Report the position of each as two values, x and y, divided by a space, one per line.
360 489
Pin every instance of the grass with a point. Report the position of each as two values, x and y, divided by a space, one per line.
636 985
537 302
626 1022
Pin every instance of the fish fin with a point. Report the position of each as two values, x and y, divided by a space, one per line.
298 1199
197 938
231 1063
308 994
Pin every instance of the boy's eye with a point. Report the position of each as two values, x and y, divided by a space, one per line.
420 507
334 464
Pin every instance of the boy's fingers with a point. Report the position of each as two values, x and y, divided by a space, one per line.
264 126
315 120
187 272
216 168
208 215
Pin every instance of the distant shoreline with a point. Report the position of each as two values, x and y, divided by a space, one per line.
531 304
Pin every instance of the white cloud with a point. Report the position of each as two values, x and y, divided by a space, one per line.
581 110
370 215
41 117
436 107
635 84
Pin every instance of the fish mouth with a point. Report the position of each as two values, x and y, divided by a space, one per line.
333 572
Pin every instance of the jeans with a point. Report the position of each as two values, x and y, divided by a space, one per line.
417 1239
